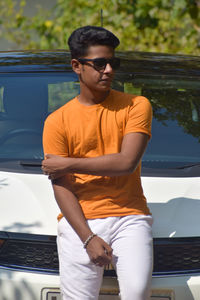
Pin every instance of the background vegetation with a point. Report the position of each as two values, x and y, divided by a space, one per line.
168 26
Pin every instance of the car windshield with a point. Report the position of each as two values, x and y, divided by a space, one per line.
25 102
27 99
175 141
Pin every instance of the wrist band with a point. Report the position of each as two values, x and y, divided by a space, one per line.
88 240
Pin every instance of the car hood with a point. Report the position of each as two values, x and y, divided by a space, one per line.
27 204
174 204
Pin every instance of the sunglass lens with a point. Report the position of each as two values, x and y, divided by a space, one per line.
100 63
115 63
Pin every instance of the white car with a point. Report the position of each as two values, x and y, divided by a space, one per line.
32 85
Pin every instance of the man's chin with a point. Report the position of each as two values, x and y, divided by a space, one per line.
104 86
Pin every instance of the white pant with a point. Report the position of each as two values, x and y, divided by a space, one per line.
131 240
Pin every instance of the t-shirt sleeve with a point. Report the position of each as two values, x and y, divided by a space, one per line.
139 116
54 137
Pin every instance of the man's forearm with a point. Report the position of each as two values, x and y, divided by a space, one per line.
100 253
107 165
71 209
116 164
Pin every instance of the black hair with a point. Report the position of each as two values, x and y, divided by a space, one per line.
84 37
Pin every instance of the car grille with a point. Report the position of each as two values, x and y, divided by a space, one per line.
177 255
38 253
31 252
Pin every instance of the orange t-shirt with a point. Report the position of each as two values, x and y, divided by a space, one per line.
77 130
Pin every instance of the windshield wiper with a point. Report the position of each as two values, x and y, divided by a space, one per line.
189 166
31 163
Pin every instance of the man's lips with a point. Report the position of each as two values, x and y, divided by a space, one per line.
106 79
105 82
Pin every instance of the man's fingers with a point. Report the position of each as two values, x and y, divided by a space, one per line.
108 250
47 156
101 261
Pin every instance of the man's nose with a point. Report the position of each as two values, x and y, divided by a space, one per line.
108 68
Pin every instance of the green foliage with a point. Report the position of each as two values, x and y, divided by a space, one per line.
171 26
60 93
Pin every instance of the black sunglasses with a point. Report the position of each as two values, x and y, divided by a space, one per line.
99 64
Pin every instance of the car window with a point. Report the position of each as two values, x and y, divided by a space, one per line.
25 102
175 138
61 92
27 99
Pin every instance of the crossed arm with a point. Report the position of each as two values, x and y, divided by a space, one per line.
125 162
117 164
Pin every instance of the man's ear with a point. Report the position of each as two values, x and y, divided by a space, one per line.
76 66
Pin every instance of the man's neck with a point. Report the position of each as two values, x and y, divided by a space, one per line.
92 97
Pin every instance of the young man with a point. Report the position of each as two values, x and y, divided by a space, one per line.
93 147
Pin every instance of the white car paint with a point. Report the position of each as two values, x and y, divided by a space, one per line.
29 204
29 199
175 205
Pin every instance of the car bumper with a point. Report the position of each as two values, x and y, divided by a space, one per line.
183 287
163 288
28 286
15 285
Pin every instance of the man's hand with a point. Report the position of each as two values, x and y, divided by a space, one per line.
99 251
54 166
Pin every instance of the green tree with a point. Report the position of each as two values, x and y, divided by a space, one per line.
171 26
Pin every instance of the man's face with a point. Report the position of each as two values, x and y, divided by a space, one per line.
92 75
